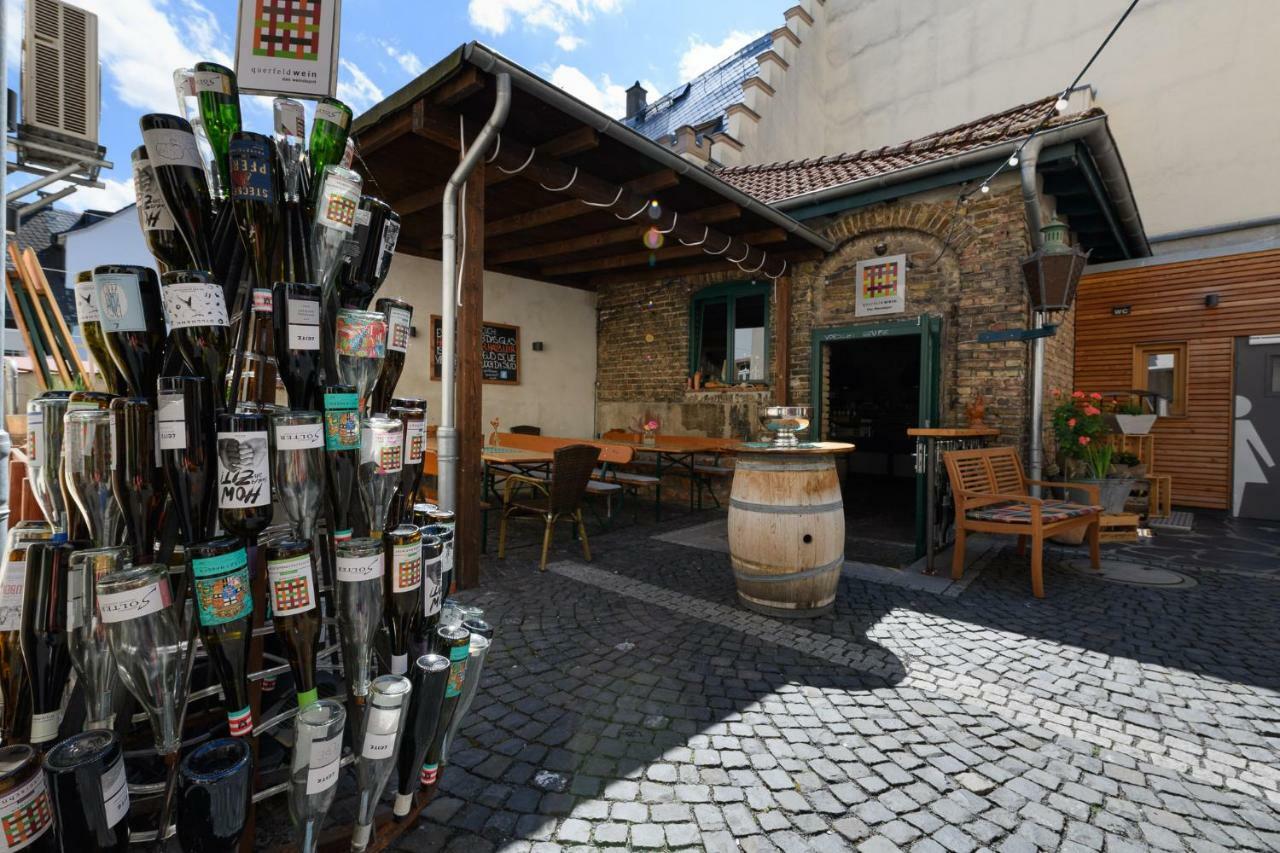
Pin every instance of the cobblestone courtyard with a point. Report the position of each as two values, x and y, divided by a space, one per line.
629 702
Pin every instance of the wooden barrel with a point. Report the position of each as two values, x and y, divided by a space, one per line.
786 532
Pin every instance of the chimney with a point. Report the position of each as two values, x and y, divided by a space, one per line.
636 100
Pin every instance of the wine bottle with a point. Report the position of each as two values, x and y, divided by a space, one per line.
414 442
15 724
454 642
428 619
185 426
89 318
317 758
342 441
136 481
255 202
444 524
132 317
390 236
360 567
290 139
86 780
291 572
478 649
300 466
381 460
329 129
399 317
175 158
430 675
184 87
198 325
219 100
402 584
45 425
215 783
379 739
333 225
244 474
361 346
295 308
44 635
360 261
221 589
87 640
158 229
24 796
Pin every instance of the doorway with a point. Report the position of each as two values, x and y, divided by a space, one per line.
1256 425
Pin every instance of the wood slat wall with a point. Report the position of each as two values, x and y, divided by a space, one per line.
1167 304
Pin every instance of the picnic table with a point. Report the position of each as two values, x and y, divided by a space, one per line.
679 453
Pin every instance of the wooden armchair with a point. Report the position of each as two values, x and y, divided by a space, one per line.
991 496
553 498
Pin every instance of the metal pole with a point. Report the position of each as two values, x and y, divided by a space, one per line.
4 250
1037 404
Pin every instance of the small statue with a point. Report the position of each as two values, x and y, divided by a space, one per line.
976 410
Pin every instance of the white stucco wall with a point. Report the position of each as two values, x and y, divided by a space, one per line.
557 386
1186 84
115 240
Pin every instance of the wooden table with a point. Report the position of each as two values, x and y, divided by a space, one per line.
676 452
930 444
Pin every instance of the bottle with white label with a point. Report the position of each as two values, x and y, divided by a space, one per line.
44 453
399 316
381 460
402 585
413 442
379 742
244 474
86 779
357 282
91 655
295 613
195 306
317 759
295 315
429 675
15 717
136 478
131 311
300 468
215 783
45 639
185 428
359 602
479 647
175 157
24 802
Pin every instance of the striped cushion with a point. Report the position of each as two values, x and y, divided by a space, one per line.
1016 512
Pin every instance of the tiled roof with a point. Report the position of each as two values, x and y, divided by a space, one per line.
704 98
774 182
37 231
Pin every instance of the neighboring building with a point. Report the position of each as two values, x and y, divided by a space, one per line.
109 238
39 232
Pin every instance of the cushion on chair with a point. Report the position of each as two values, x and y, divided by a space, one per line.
1015 512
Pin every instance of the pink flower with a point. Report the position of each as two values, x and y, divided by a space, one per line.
1071 423
1095 396
1057 392
1084 439
1079 395
1092 410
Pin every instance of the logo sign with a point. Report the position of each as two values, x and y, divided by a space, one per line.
288 47
881 286
1121 310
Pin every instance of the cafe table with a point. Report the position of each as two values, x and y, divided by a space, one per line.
675 453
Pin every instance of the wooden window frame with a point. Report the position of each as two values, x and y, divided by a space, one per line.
730 293
1178 406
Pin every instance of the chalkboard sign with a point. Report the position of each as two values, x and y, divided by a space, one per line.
499 352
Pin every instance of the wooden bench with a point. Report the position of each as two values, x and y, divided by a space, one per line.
991 496
706 464
608 479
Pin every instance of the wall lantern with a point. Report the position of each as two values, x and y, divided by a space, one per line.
1053 271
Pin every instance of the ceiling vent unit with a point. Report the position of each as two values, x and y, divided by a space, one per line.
60 88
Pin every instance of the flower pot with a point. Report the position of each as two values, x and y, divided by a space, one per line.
1135 424
1112 494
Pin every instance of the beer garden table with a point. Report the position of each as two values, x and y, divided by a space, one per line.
675 452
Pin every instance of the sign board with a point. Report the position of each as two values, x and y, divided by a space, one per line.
1121 310
288 47
499 352
881 286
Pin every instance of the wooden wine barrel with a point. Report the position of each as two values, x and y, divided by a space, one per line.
786 529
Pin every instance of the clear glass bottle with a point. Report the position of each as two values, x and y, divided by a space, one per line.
317 758
359 604
379 743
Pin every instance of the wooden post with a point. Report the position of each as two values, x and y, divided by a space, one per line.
782 339
470 428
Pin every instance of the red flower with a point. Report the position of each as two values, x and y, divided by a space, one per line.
1095 396
1084 439
1092 410
1071 423
1079 395
1057 392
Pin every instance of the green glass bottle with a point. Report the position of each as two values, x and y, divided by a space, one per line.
219 98
329 131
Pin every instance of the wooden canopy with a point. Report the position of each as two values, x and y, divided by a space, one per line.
569 192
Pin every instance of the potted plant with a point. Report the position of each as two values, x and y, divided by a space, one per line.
1130 419
1082 432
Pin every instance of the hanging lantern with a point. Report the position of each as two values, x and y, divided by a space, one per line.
1053 271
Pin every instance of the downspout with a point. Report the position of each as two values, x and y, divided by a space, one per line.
447 433
1028 160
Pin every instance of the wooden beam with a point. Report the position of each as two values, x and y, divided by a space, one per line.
667 253
383 133
665 273
469 389
625 234
782 340
461 86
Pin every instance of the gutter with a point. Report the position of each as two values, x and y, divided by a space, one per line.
488 61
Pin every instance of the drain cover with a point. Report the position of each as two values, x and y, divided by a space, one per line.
1134 574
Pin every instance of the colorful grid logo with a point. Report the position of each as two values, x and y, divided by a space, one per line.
410 572
341 209
27 821
389 458
292 594
880 280
399 336
288 29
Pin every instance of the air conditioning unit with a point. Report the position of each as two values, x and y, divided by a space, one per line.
60 94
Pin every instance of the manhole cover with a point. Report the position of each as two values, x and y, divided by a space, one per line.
1134 574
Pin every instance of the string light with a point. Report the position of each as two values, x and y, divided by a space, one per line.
985 188
1061 104
1013 161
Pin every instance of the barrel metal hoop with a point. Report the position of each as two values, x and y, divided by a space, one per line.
736 503
834 564
771 466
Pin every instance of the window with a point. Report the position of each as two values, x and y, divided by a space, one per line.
1162 369
729 339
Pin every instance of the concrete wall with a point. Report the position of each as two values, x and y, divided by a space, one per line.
557 386
1186 84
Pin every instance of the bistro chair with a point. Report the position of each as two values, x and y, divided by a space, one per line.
553 498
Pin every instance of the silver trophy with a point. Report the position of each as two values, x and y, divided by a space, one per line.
88 641
300 468
379 745
381 458
44 455
317 758
359 604
86 448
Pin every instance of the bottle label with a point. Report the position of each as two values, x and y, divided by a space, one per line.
432 591
87 303
115 793
398 329
406 565
153 213
304 324
383 448
399 664
292 587
339 201
429 773
44 727
251 176
415 436
212 81
341 422
240 723
363 215
290 118
356 569
262 301
75 598
457 669
299 436
378 744
134 603
323 764
35 437
360 336
171 147
171 422
331 113
120 302
390 236
25 812
244 478
222 588
12 584
194 303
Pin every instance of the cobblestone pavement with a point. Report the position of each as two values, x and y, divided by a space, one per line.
630 703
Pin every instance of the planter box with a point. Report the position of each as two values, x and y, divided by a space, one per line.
1135 424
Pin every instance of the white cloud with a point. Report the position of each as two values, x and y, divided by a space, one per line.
407 59
700 55
567 42
356 89
112 197
557 16
608 97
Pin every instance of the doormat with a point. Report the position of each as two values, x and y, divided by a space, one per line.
1179 521
1133 574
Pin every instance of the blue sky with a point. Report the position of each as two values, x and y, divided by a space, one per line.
592 48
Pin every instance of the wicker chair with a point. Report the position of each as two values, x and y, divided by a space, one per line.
555 498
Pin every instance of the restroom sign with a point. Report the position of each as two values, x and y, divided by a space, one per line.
881 286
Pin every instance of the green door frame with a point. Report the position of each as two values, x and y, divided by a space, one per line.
929 328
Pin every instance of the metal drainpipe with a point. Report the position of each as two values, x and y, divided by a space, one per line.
1027 162
4 225
447 434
